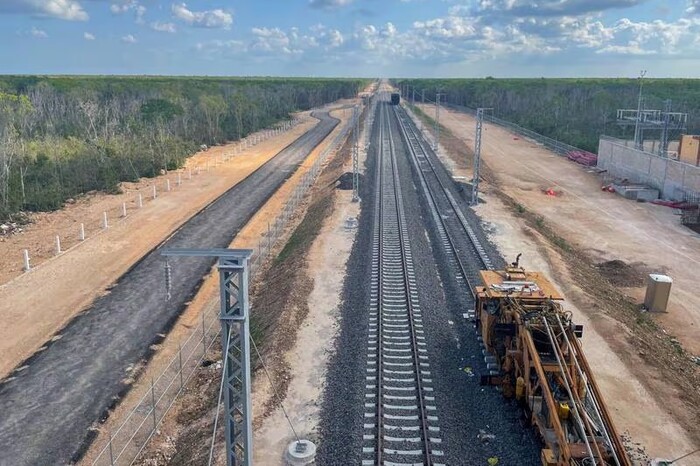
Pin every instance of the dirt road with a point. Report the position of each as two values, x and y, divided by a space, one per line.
70 282
602 224
48 407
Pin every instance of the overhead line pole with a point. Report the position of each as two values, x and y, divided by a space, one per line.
477 154
356 155
233 283
438 95
638 143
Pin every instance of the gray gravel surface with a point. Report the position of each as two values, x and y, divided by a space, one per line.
47 409
465 408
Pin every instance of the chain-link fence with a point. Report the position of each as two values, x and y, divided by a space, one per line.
123 445
64 240
559 147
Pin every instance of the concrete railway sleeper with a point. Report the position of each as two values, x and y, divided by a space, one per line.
401 422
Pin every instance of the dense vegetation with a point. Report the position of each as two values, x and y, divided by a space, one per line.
575 111
62 136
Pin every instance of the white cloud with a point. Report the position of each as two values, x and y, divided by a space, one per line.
38 33
207 19
88 36
129 39
164 27
129 5
69 10
551 7
329 4
693 7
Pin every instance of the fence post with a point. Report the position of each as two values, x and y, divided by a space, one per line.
155 192
167 185
204 338
179 178
140 201
123 209
153 405
111 452
179 355
25 254
81 233
269 239
105 225
58 245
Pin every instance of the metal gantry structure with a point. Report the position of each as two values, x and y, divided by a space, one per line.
233 266
652 120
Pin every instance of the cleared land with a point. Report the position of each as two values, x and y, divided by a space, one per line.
70 282
606 228
96 348
281 308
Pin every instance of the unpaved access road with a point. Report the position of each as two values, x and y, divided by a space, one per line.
48 407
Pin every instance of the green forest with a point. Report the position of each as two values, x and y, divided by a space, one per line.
574 111
61 136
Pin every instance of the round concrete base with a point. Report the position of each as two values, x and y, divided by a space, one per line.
301 453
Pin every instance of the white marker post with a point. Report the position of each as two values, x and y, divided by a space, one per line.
167 185
81 233
105 225
123 209
155 192
58 245
139 202
26 267
179 179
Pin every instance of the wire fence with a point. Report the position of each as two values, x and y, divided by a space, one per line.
559 147
123 445
64 240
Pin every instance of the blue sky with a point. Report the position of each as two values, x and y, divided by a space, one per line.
422 38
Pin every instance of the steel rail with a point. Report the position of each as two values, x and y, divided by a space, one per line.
401 404
432 201
416 360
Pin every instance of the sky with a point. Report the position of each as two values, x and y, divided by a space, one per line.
370 38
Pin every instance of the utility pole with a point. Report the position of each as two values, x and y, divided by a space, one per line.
233 284
663 147
356 155
477 154
437 122
638 142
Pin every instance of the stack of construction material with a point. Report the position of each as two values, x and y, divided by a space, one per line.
583 157
638 192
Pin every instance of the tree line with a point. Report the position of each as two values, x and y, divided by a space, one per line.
574 111
63 136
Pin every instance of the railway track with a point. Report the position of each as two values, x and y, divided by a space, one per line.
400 419
465 253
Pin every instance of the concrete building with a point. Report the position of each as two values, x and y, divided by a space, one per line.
674 179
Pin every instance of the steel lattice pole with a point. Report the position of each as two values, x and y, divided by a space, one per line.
477 155
356 156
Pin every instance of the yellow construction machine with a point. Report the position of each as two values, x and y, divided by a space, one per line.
537 359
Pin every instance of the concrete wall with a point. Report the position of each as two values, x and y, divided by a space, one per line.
674 179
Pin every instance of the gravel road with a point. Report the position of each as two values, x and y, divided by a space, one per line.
476 422
46 409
